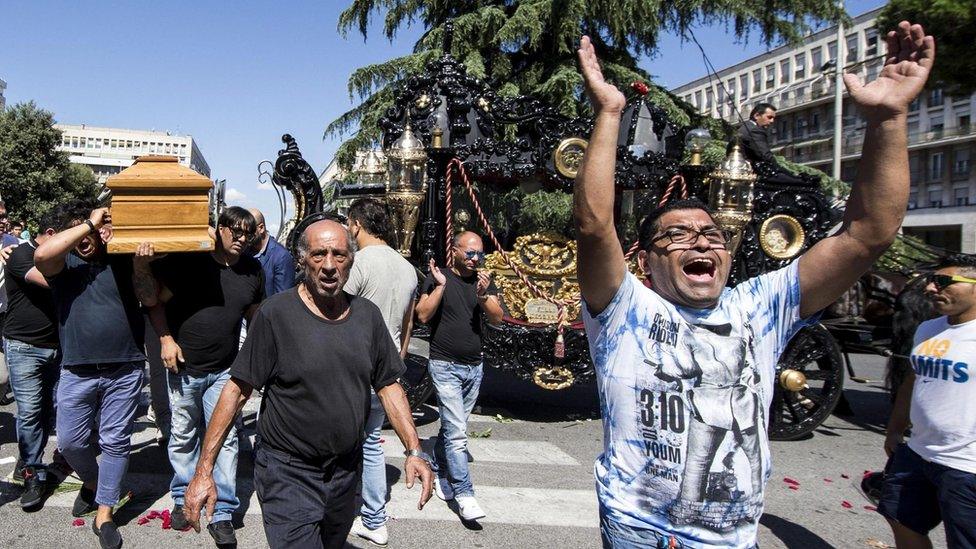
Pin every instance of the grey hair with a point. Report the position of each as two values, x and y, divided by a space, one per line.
301 247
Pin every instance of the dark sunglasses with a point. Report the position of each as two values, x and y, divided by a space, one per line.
237 234
477 256
942 281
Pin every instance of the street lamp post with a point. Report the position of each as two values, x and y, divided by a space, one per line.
839 96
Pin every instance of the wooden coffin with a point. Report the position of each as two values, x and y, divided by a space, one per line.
160 201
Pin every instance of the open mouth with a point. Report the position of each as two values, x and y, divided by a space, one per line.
700 269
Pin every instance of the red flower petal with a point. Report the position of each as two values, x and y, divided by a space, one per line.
789 480
846 504
794 487
870 507
78 522
142 521
827 480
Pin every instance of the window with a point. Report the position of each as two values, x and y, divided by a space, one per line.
770 76
852 48
800 126
935 166
816 59
709 100
871 42
801 66
913 168
744 86
936 124
963 122
832 50
784 71
783 130
913 106
815 123
960 196
721 99
960 163
912 200
935 98
730 84
757 81
935 197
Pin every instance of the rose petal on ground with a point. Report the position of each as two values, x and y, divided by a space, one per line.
870 507
827 480
142 521
793 487
789 480
846 504
842 475
78 522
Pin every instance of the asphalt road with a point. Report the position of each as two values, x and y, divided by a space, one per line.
533 474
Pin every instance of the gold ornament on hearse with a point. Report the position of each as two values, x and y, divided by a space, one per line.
781 236
406 186
731 186
549 262
568 156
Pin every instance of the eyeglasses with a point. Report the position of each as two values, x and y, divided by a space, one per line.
237 234
716 237
942 281
476 255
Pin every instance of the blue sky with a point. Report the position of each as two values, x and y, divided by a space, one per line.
234 76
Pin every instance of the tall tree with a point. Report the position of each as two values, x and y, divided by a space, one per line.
953 23
34 175
528 46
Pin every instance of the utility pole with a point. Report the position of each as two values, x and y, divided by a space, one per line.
839 94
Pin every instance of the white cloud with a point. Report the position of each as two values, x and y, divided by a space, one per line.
264 186
234 195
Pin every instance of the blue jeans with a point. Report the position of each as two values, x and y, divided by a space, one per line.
192 399
34 379
457 388
374 469
110 392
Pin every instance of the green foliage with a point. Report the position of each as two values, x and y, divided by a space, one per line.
34 175
529 46
953 24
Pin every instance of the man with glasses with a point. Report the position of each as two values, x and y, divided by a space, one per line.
452 301
932 478
197 302
686 368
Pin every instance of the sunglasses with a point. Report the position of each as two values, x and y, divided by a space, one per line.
942 281
237 234
477 256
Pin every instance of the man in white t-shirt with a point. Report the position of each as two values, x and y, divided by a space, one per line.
932 478
685 369
383 276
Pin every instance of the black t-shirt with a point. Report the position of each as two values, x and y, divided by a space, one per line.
209 300
99 320
456 325
30 308
316 374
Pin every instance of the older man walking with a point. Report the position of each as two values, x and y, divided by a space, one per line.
316 351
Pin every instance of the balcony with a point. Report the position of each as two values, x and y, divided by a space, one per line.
811 148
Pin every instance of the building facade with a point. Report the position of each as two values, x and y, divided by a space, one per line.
799 81
3 100
107 151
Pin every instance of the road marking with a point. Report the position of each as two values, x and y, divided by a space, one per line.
528 452
8 459
504 505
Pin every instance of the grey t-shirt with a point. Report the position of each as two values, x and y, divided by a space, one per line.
381 275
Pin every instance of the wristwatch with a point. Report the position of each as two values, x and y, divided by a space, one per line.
417 452
91 226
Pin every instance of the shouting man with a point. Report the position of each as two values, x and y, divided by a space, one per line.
688 468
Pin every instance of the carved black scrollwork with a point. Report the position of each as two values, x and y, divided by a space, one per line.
292 172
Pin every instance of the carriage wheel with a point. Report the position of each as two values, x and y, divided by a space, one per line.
416 381
809 382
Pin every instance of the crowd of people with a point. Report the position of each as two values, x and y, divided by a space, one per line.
683 362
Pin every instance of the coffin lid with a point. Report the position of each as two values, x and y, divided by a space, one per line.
158 172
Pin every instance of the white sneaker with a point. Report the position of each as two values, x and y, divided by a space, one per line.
443 488
469 508
380 536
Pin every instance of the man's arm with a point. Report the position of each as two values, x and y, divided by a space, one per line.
406 327
202 491
601 266
143 281
49 256
879 196
169 350
900 414
35 277
429 303
398 410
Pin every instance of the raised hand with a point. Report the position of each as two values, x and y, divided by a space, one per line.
603 96
439 277
907 66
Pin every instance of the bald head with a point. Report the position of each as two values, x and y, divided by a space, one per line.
257 215
469 251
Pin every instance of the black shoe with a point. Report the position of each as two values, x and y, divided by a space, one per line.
222 532
6 400
177 519
84 503
108 535
34 491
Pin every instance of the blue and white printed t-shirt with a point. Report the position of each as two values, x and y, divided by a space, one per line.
943 408
684 396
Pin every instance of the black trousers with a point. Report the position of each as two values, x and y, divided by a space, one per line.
305 505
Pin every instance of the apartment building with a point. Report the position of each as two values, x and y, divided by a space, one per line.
107 151
799 81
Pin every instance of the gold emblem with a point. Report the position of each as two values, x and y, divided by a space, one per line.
781 237
554 378
568 155
549 261
540 311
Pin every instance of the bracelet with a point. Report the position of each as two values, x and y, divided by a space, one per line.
91 226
